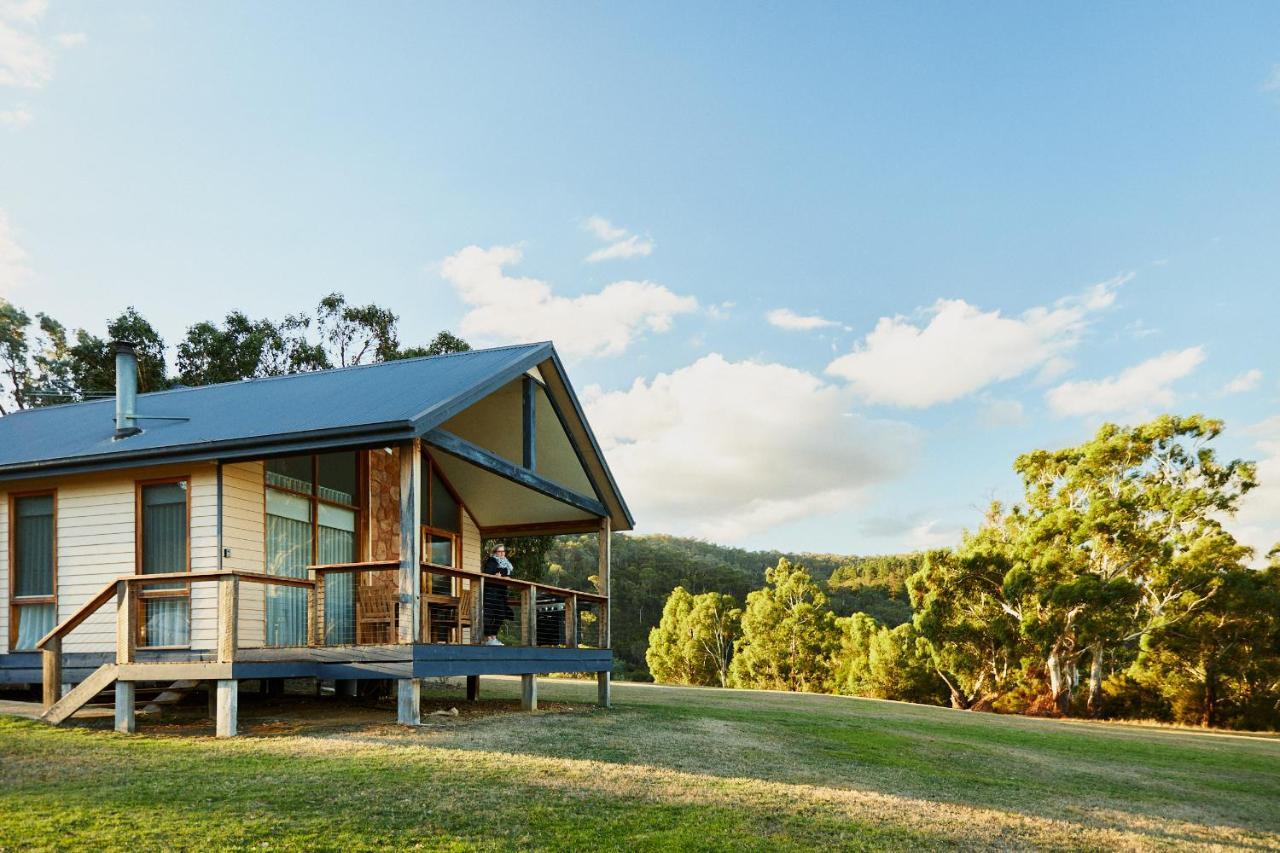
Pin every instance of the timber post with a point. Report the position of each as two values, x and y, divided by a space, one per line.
409 701
527 597
126 718
51 666
228 618
477 610
531 616
604 563
410 612
126 622
571 621
528 692
228 707
604 697
313 609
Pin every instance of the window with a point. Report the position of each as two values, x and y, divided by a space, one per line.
441 527
313 513
33 584
163 539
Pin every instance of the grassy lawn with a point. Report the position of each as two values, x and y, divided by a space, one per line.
666 768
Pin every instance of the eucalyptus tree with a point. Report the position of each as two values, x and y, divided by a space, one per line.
693 641
975 642
1128 529
1116 538
789 636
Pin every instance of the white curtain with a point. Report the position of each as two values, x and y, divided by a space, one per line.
33 567
338 545
288 554
34 621
164 549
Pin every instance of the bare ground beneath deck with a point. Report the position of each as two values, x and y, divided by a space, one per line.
300 712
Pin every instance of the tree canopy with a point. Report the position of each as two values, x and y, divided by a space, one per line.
41 363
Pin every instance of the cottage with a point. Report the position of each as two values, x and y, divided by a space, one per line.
322 525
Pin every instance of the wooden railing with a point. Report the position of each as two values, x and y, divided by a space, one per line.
125 590
528 592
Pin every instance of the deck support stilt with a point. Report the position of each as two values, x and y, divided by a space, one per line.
126 719
604 697
213 700
409 701
528 692
473 688
228 707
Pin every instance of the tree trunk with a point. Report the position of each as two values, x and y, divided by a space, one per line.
1058 683
1209 710
1095 681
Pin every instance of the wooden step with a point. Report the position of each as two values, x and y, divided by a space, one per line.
171 695
80 695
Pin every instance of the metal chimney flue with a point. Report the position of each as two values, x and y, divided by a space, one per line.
126 390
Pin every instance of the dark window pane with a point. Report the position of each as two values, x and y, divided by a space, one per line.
440 551
293 473
338 477
444 509
33 546
439 584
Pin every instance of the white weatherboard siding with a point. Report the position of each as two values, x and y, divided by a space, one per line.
244 533
471 557
96 539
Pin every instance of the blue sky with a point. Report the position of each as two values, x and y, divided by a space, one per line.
1004 225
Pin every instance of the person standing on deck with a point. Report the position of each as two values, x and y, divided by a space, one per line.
496 607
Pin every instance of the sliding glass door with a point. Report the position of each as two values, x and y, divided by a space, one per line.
313 505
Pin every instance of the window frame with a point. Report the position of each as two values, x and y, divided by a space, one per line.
178 592
427 530
16 601
360 505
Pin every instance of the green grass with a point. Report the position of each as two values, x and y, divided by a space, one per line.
668 768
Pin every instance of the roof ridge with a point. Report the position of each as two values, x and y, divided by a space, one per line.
170 391
327 370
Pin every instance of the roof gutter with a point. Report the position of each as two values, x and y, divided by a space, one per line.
274 445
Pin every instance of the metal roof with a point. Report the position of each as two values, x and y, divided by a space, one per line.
389 400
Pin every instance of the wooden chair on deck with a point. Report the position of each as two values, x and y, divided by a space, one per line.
454 613
376 610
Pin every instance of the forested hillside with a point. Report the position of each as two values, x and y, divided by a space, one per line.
647 568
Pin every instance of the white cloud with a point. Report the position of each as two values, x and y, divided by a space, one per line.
696 451
25 61
1002 413
1134 392
785 318
13 259
622 244
1257 524
631 247
1272 83
603 228
71 39
963 349
1246 381
19 116
23 11
928 535
505 308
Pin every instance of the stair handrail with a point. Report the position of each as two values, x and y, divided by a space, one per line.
50 645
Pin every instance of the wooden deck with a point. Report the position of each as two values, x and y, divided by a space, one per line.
418 660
